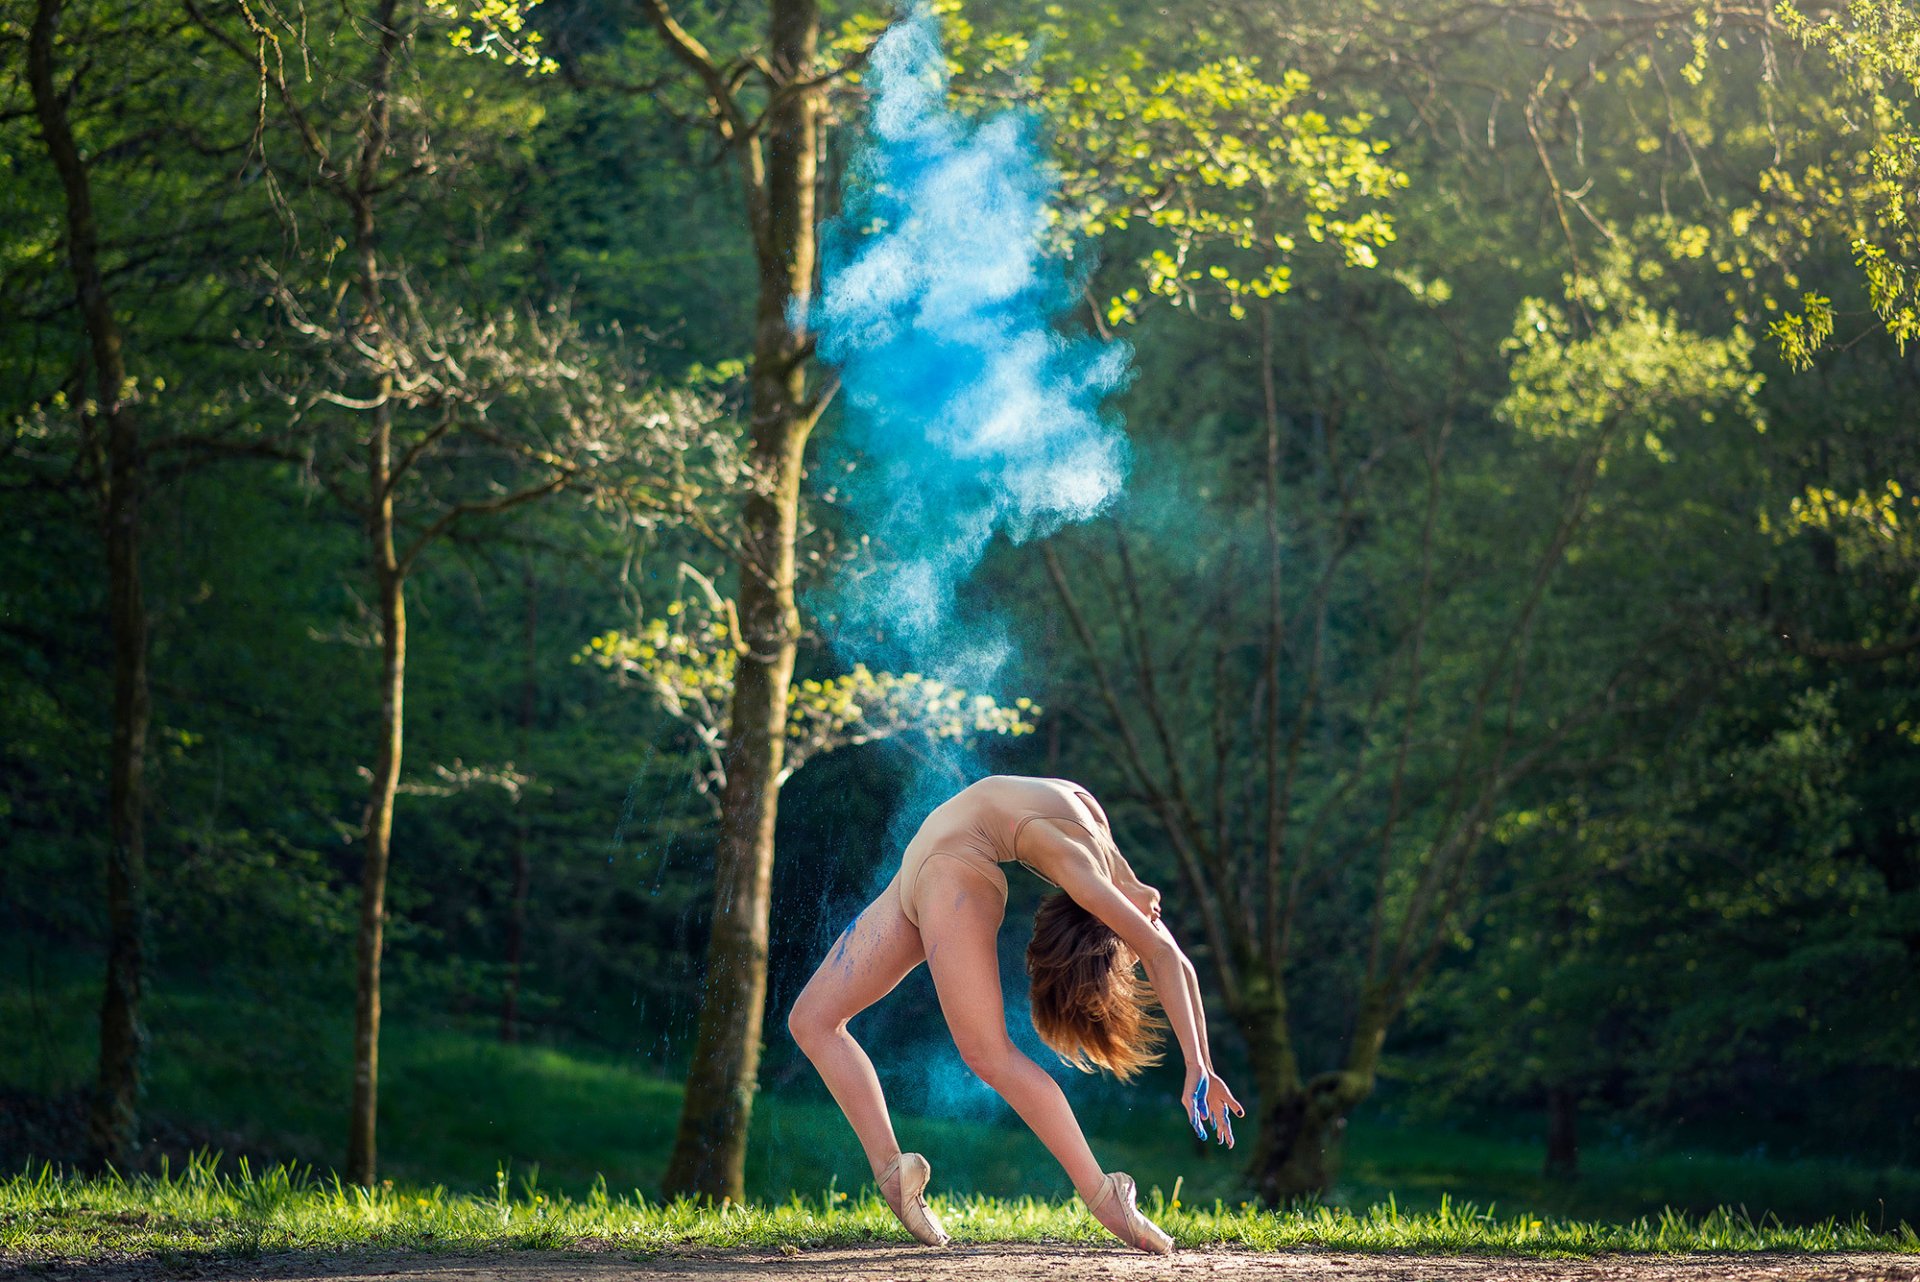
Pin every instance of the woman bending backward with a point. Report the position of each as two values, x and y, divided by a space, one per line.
944 907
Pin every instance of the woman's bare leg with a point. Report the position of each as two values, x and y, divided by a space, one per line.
960 928
866 963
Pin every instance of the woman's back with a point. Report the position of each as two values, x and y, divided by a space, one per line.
979 827
986 815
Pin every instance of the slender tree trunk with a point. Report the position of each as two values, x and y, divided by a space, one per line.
112 1130
361 1149
390 583
522 871
1563 1133
516 938
112 1126
710 1146
1276 803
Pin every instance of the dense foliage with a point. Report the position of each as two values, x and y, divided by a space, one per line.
1507 655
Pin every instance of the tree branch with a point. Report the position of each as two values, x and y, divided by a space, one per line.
478 507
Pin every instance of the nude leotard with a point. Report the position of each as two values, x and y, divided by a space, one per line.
980 826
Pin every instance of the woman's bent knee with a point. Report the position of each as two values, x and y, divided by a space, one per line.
989 1061
809 1029
813 1025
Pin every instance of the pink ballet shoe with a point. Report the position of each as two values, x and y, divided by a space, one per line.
908 1174
1140 1231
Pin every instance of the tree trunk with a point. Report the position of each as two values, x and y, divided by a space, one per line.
1563 1136
522 870
516 935
1293 1155
1296 1154
361 1151
1301 1127
710 1146
390 584
112 1125
112 1129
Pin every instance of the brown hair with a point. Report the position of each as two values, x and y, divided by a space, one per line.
1088 1004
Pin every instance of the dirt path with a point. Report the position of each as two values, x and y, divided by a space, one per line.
1001 1264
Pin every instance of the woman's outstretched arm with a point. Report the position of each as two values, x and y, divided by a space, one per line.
1193 990
1207 1097
1062 850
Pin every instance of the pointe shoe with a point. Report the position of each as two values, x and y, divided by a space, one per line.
1140 1231
909 1173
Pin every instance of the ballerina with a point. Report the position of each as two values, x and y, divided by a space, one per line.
944 907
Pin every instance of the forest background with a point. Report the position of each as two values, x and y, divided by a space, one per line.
421 488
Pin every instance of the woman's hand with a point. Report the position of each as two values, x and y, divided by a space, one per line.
1207 1099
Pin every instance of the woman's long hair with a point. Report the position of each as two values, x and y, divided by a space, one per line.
1088 1003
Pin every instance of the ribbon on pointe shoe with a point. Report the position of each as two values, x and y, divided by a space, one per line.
909 1172
1141 1232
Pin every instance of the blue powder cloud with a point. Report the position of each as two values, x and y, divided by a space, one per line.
973 412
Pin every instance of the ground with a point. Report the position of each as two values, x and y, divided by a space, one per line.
1009 1263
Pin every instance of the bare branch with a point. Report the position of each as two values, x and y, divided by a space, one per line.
735 130
480 507
1198 880
1848 652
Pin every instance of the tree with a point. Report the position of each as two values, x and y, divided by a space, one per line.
424 419
1325 361
1340 746
123 429
776 148
111 1126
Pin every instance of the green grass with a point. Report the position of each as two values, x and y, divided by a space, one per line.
45 1216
